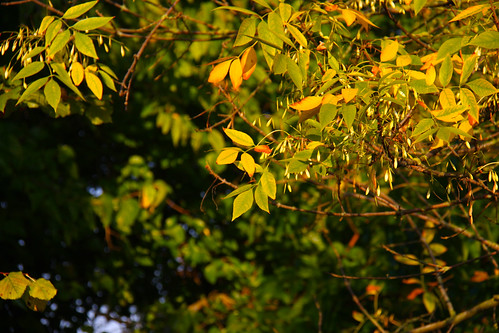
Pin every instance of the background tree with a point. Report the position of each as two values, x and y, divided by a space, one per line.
367 130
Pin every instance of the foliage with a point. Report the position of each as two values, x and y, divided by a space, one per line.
270 166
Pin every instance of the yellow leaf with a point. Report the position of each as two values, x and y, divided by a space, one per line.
447 98
469 11
248 164
349 94
227 156
94 83
308 103
248 62
416 75
404 60
219 72
77 73
331 99
465 126
239 137
447 115
349 16
389 51
236 73
431 75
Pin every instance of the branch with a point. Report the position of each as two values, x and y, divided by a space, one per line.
465 315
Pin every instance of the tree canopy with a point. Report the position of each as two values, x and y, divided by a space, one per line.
254 166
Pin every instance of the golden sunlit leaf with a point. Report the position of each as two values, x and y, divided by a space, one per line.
364 21
389 51
239 137
331 99
227 156
349 94
263 149
431 75
248 164
469 12
236 73
77 73
349 16
403 60
479 276
447 98
219 72
308 103
248 62
466 127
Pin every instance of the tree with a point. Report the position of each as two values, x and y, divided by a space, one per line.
332 168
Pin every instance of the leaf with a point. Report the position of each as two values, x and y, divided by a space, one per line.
429 301
261 198
403 60
85 45
33 87
52 92
36 51
280 65
468 68
239 190
227 156
276 27
263 149
438 249
418 5
236 73
238 9
349 16
45 23
349 94
407 259
29 70
421 87
108 80
389 51
52 31
488 40
268 184
239 137
64 77
13 285
78 10
42 289
423 126
246 31
248 62
327 113
447 98
242 203
94 84
148 196
308 103
59 42
298 36
219 72
248 164
349 112
431 75
469 12
294 73
91 23
445 73
450 114
468 99
482 87
479 276
449 47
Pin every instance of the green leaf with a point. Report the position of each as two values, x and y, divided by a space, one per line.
280 64
108 70
239 137
423 126
36 51
297 35
242 203
239 190
327 114
276 27
446 70
64 77
108 80
52 31
33 87
349 112
59 42
85 45
469 12
34 304
294 73
91 23
29 70
52 93
449 47
246 31
482 87
285 10
261 198
13 285
262 3
430 301
94 83
468 99
268 183
78 10
488 40
45 23
42 289
468 68
127 214
418 5
421 87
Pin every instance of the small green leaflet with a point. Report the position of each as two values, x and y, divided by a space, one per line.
418 5
52 31
64 77
239 137
298 36
242 203
91 23
268 183
29 70
280 64
85 45
449 47
423 126
246 31
77 11
349 112
487 40
33 87
445 73
239 190
482 87
58 43
294 73
261 198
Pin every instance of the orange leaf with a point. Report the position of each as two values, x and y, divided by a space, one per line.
414 293
219 72
236 73
263 149
479 276
349 16
349 94
248 62
410 281
308 103
372 289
